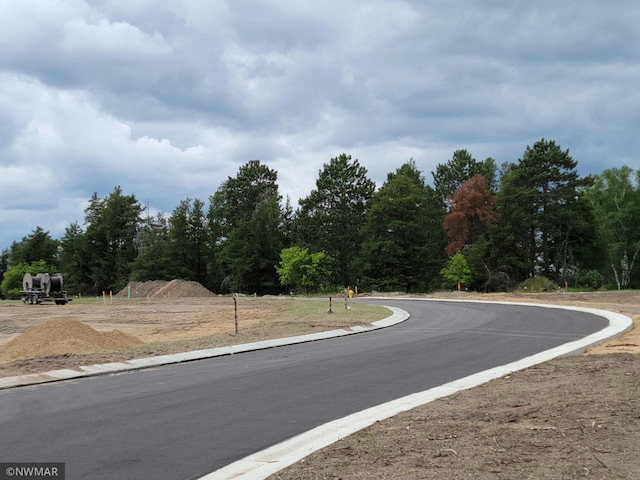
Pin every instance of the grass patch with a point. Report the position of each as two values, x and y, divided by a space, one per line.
281 317
287 318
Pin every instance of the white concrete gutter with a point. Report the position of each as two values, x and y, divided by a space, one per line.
269 461
397 316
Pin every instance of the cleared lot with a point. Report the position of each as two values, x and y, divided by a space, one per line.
572 417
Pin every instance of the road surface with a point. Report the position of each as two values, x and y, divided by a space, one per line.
183 421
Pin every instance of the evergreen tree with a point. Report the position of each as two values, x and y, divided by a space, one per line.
251 252
112 227
246 227
450 176
4 264
331 217
398 242
75 260
188 240
154 260
541 214
472 208
35 247
468 226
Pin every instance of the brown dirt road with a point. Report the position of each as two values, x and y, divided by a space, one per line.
572 417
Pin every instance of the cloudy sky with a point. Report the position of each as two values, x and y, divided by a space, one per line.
167 99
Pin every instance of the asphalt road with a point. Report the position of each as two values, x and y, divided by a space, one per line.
183 421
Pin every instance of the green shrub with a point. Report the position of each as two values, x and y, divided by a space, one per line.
591 279
537 284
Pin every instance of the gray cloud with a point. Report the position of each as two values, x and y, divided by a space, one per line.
168 99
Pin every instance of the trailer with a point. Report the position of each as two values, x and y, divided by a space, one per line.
41 288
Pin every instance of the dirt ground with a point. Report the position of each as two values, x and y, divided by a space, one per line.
160 318
572 417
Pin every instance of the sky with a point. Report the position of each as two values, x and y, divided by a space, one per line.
168 99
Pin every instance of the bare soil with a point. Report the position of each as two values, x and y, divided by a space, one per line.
160 318
572 417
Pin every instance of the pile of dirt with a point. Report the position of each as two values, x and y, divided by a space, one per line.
165 289
64 336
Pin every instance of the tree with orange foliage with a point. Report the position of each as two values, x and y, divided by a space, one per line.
471 211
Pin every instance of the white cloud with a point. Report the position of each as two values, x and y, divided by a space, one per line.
168 99
105 40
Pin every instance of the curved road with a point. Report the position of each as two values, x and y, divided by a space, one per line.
184 421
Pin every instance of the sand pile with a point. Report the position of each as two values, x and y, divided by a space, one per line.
64 336
165 289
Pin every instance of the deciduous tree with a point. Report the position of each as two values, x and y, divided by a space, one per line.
300 269
615 197
457 272
12 281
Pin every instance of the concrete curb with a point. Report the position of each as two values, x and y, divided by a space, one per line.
269 461
397 316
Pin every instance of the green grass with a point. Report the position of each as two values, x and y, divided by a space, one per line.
289 318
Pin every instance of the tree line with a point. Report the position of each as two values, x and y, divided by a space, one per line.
479 226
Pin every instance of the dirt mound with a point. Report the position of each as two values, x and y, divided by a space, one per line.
165 289
64 336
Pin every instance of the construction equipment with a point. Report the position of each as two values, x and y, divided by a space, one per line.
42 288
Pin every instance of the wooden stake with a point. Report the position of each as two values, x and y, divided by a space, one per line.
235 309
